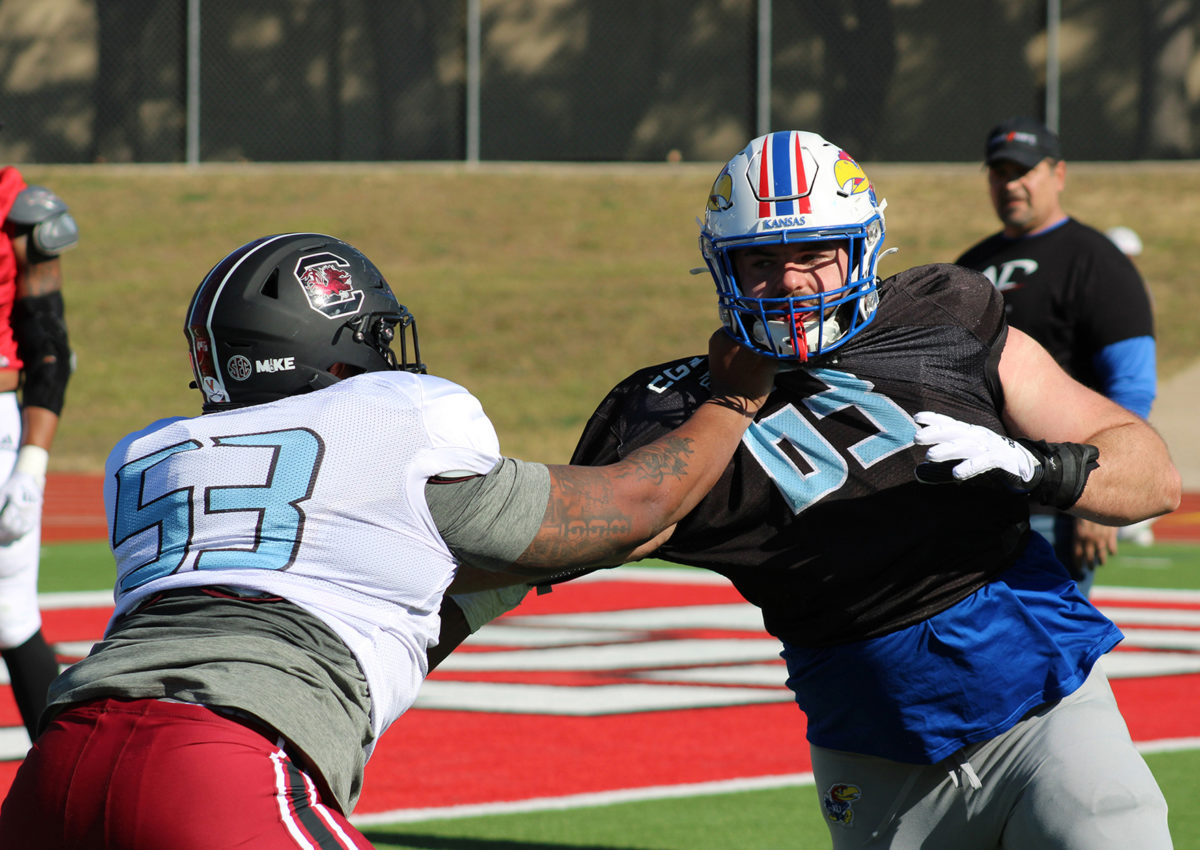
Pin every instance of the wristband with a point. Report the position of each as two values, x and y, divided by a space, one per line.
32 460
1062 473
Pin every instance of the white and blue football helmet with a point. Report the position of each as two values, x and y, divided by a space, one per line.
793 187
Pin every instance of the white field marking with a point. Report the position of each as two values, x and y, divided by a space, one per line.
1183 639
590 700
621 656
657 575
1153 616
1168 745
1136 665
506 633
14 743
658 792
574 801
74 648
6 679
1101 594
732 616
771 675
76 599
1147 563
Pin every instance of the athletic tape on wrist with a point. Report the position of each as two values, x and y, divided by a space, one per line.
32 460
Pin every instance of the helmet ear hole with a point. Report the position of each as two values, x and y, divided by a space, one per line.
341 371
270 287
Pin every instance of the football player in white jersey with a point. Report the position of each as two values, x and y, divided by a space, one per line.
282 559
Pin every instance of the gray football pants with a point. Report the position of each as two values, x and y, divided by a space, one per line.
1067 777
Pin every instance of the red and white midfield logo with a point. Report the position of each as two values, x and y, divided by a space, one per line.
602 646
328 285
638 678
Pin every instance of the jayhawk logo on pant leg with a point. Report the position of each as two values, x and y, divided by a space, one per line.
837 802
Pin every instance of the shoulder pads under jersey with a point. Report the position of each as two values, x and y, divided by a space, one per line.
54 229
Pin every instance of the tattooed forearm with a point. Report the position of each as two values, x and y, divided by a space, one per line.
607 515
582 518
666 458
591 516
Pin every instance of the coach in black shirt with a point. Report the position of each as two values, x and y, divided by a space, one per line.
1071 289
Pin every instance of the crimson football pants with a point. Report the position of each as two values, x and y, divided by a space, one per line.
156 775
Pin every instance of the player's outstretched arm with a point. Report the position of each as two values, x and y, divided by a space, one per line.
1079 451
606 514
1135 478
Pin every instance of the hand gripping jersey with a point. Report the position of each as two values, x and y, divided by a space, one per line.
317 498
858 568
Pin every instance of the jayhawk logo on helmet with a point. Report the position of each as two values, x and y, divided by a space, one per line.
849 175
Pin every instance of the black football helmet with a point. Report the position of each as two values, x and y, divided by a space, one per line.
292 313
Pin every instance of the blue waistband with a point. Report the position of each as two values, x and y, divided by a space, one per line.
962 676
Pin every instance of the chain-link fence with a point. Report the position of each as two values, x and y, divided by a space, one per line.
586 80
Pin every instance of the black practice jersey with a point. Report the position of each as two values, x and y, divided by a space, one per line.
1070 288
818 519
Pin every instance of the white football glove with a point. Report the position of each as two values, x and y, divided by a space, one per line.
483 606
959 451
21 495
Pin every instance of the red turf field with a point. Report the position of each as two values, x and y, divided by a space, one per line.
648 682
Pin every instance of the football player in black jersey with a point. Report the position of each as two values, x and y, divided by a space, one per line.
1070 288
877 511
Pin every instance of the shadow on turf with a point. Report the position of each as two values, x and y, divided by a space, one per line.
416 841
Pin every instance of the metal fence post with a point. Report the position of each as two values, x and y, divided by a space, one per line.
763 48
1053 66
472 117
192 132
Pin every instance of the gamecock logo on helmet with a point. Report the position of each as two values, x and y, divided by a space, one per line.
328 285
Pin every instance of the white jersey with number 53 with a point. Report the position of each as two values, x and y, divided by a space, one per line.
317 498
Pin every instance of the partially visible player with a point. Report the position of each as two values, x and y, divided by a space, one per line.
35 363
281 560
877 511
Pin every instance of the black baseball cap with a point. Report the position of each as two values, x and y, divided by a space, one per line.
1022 140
